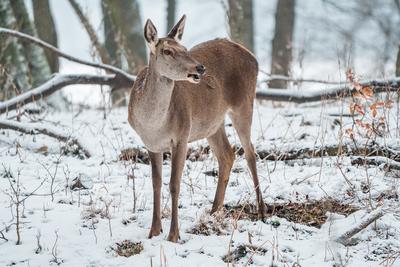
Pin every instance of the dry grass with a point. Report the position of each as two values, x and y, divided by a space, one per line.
312 213
216 223
127 248
242 251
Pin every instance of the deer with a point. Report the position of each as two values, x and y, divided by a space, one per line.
183 96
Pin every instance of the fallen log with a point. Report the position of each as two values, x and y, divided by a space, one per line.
59 81
346 237
197 154
305 96
30 128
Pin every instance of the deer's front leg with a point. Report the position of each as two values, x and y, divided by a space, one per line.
156 169
178 161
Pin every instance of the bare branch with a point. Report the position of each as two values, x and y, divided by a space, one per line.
345 238
318 95
386 163
297 81
30 128
140 154
28 38
105 57
2 236
59 81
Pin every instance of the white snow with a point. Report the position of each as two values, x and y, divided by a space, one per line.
82 225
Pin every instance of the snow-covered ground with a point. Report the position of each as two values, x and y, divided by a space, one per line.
82 227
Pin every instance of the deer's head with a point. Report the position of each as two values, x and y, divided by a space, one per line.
170 58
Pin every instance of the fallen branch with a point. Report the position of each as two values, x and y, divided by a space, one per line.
28 38
30 128
197 154
327 151
59 81
345 238
304 96
386 163
268 94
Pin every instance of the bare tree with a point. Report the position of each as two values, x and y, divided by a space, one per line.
46 30
241 22
124 41
38 66
171 12
398 63
13 64
126 32
282 42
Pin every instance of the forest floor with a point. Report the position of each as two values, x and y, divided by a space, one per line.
77 211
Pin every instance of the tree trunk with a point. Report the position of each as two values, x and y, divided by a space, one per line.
241 22
46 30
13 65
398 63
38 66
171 11
110 35
124 40
126 20
282 42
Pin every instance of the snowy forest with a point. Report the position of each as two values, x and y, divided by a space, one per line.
199 133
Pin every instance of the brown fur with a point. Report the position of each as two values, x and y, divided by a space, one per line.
170 112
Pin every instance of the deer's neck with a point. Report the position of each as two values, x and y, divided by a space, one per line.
155 98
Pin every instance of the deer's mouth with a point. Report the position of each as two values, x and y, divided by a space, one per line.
193 77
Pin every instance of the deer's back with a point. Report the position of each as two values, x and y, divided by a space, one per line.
228 84
230 67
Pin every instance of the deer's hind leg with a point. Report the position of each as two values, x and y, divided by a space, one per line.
242 118
224 153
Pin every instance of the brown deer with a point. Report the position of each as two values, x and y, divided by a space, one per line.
183 96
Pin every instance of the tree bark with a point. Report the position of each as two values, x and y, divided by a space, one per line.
38 66
282 42
110 35
171 12
398 63
101 50
128 30
124 40
29 38
14 72
46 30
241 22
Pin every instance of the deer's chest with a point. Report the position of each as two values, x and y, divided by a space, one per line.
155 138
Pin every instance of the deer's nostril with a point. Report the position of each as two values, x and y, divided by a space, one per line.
200 69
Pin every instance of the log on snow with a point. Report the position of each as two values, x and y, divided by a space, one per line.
30 128
386 163
304 96
345 238
59 81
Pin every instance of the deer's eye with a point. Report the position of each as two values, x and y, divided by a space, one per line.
167 52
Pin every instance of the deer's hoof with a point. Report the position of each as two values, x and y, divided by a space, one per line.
215 209
155 231
173 237
262 211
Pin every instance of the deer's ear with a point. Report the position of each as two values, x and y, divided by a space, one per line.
150 34
177 31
